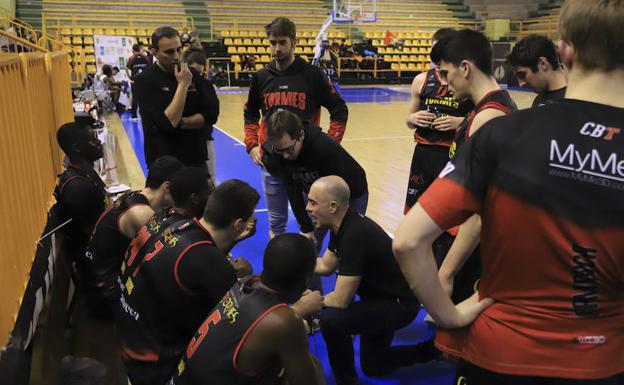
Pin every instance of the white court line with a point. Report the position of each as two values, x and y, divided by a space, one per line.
261 210
236 140
377 138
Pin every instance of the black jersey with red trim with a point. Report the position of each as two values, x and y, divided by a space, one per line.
181 275
81 196
107 245
438 99
497 99
548 184
302 89
211 356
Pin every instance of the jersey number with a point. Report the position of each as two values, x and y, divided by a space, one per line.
214 319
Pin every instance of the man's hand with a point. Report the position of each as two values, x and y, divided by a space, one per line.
447 123
183 75
311 237
241 266
249 231
254 153
310 302
421 118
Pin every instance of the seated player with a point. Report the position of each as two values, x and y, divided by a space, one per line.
252 336
174 280
117 226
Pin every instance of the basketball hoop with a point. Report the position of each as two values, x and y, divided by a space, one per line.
354 11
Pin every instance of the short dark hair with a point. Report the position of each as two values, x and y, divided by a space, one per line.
527 52
195 56
289 260
136 47
442 33
436 50
281 26
283 122
467 44
162 170
159 33
69 134
107 70
186 181
231 200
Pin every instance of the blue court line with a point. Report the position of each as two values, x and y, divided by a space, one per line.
234 162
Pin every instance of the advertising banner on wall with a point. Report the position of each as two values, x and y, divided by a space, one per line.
112 50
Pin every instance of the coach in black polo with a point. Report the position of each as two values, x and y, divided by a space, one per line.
175 103
360 251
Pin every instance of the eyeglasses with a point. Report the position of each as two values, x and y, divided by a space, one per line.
287 150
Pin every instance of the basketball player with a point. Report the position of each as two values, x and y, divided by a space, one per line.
172 281
536 64
552 255
434 116
117 226
252 336
289 83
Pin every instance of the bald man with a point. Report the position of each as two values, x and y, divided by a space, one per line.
361 253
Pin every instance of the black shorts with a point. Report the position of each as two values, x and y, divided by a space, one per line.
427 163
469 374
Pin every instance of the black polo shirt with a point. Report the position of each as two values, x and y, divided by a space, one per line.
549 97
155 90
364 249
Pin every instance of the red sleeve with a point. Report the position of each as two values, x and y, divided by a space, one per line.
448 203
252 115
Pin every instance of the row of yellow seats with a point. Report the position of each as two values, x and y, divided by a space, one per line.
260 33
107 31
400 35
264 50
407 43
383 50
228 41
78 40
408 67
260 59
406 58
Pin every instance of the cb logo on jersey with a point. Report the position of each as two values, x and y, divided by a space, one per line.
596 130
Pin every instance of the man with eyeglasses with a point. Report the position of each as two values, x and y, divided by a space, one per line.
176 104
535 61
300 153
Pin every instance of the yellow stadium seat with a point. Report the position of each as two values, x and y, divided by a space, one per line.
381 50
247 42
405 58
265 58
87 39
241 50
261 49
376 43
396 58
89 49
91 69
228 41
225 33
298 50
380 35
244 33
67 31
87 31
253 33
98 31
387 58
109 31
265 42
401 35
411 66
67 39
420 67
413 58
394 66
231 50
120 31
256 41
252 50
235 59
234 33
389 50
308 50
238 41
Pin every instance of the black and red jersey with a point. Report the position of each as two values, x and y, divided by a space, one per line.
548 184
498 99
212 354
301 89
438 99
81 196
168 287
108 244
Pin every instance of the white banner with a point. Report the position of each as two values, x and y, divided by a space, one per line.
112 50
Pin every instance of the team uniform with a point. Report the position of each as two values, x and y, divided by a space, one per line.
212 354
431 150
81 196
549 97
107 247
548 184
466 280
137 63
301 89
168 286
